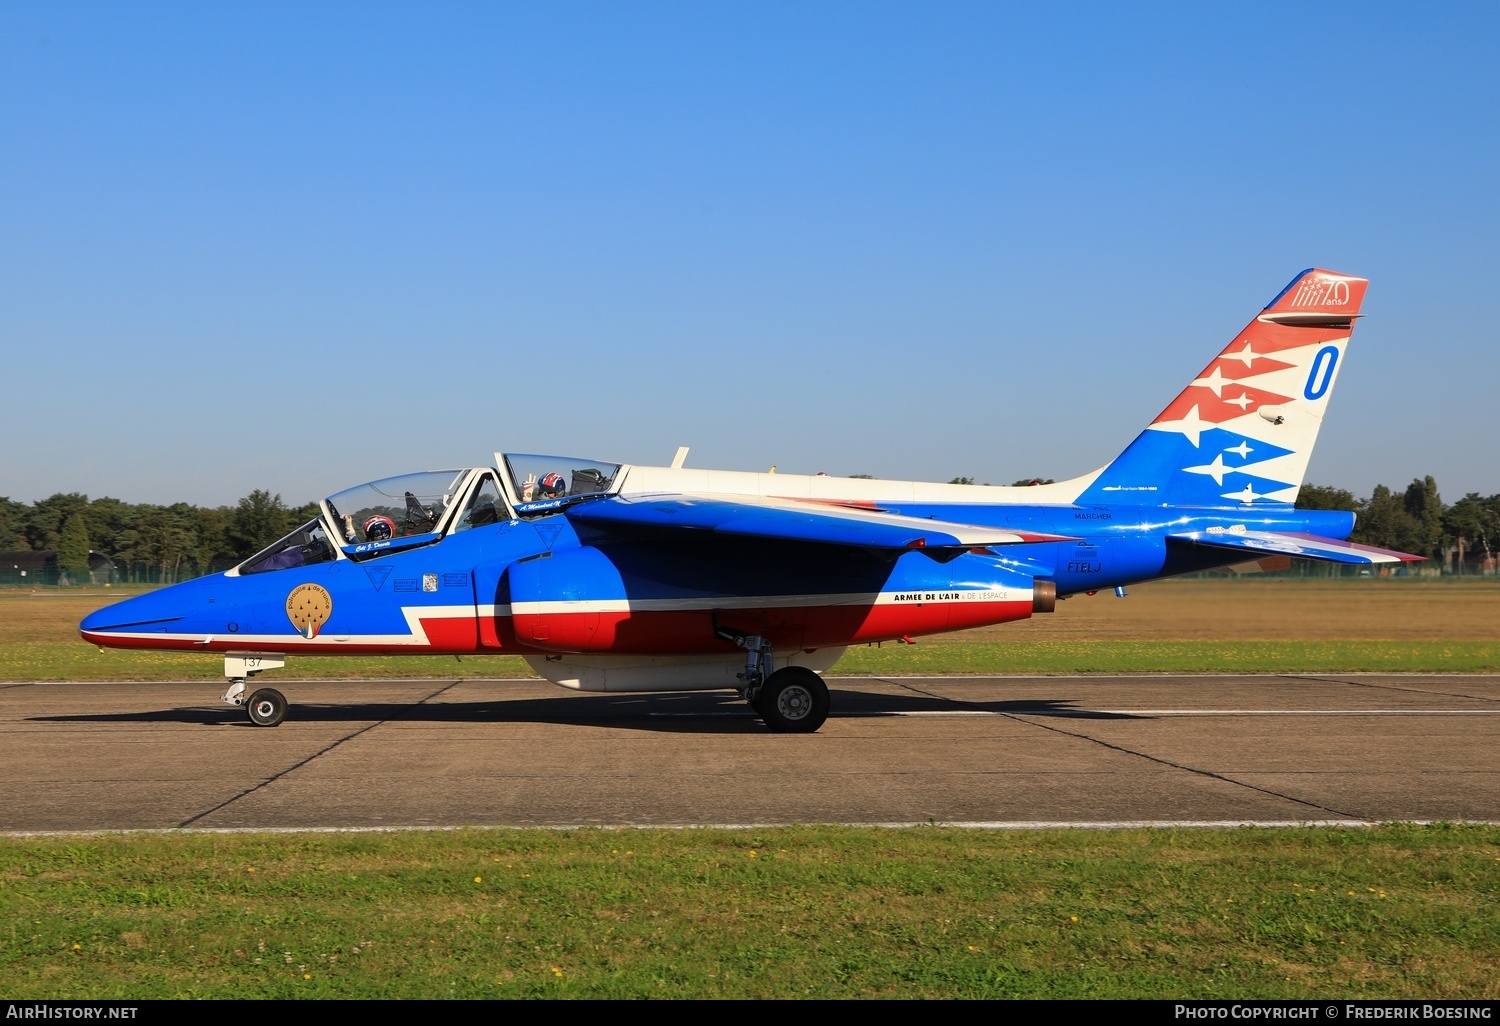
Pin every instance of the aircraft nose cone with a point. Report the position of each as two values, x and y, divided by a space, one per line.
142 614
93 622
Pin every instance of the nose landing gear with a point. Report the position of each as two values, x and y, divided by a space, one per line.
266 707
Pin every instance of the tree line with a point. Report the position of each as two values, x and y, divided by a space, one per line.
1417 520
148 542
166 543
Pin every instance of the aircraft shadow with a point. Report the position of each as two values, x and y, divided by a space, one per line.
686 713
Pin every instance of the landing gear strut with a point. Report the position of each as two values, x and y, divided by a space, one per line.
792 700
266 707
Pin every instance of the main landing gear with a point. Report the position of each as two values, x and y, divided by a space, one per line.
266 707
793 700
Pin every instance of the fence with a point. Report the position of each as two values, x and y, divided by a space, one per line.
141 575
1307 569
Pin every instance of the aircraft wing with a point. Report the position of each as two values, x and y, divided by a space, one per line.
1304 546
794 520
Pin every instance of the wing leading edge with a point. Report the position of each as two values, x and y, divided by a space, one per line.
1303 546
792 520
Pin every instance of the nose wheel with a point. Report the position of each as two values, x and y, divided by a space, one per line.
266 708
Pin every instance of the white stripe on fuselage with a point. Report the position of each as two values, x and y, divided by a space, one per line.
709 602
417 634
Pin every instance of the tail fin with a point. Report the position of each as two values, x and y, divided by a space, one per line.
1242 431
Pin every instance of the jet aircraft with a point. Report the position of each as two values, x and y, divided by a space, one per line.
608 577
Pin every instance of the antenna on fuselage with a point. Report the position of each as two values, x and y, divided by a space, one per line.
680 458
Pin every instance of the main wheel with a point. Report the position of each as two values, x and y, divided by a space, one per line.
793 701
267 707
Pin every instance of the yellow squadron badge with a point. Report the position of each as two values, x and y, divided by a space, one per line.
308 607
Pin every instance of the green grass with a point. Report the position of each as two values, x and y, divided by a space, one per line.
965 656
1391 912
47 660
76 661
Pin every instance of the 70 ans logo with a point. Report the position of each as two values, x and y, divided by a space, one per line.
1321 292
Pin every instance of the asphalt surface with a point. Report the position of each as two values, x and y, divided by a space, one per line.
972 750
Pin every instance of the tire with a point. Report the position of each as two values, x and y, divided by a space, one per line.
793 701
266 708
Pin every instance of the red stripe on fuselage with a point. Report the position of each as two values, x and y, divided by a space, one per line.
688 632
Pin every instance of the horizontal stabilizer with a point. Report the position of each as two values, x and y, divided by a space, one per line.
1303 546
791 520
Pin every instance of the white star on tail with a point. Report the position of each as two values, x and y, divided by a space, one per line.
1215 470
1246 355
1243 449
1247 496
1242 400
1190 425
1214 380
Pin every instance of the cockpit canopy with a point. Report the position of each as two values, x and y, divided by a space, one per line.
306 545
412 510
409 504
535 478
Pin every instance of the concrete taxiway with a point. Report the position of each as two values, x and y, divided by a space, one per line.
976 750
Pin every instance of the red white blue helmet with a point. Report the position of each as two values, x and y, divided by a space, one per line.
379 528
552 485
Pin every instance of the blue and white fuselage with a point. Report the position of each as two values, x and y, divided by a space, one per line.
614 577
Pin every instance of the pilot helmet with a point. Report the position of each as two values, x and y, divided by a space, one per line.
379 528
553 485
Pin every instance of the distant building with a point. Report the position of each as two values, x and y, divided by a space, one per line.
29 567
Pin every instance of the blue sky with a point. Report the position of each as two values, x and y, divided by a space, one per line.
295 247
